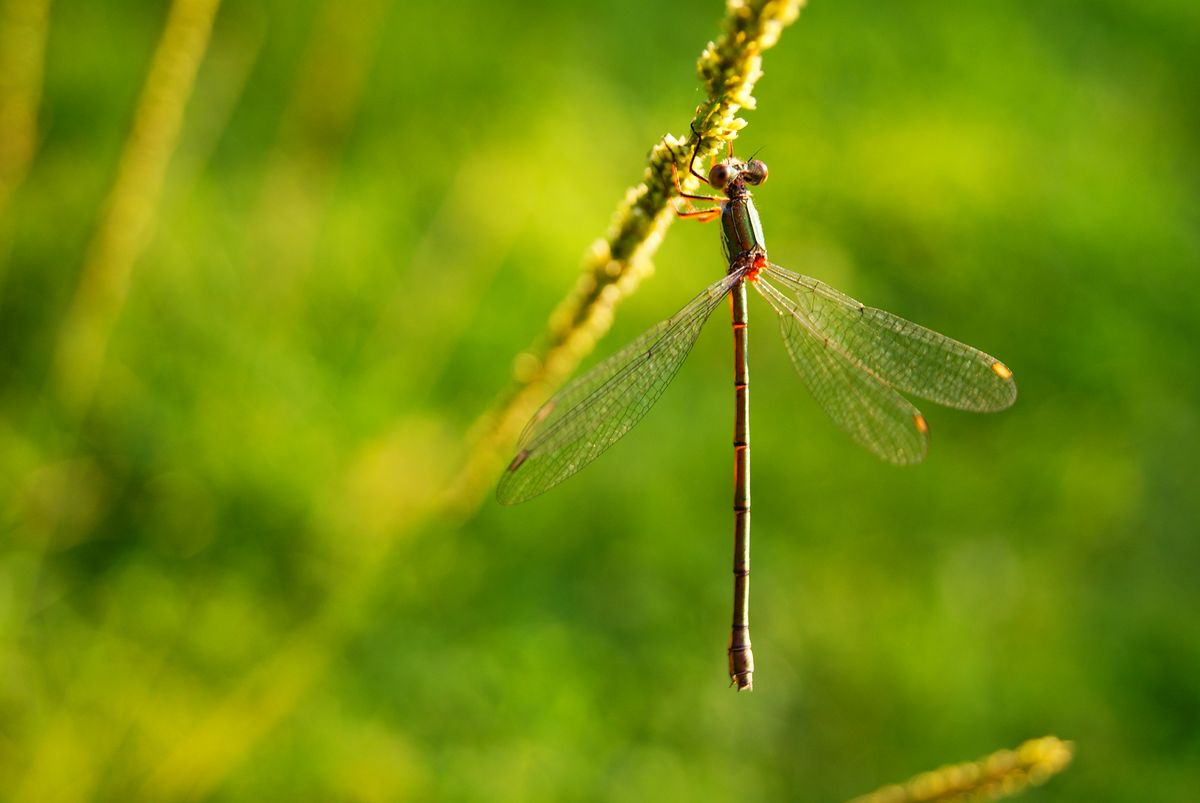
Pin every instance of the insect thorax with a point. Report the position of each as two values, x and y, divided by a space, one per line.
741 231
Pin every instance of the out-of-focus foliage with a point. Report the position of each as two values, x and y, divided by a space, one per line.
223 577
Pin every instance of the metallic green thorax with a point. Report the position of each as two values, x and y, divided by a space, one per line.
741 230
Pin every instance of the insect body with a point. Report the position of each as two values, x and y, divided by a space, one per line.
856 361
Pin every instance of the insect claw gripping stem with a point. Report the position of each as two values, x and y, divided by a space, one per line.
689 211
699 215
695 152
682 194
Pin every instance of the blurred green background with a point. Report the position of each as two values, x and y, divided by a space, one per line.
223 575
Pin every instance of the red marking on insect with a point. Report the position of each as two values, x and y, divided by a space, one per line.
521 457
757 265
922 425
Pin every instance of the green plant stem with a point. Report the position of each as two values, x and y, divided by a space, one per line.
23 26
131 205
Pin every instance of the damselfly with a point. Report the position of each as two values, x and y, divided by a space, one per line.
856 361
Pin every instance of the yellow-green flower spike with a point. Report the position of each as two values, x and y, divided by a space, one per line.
1001 774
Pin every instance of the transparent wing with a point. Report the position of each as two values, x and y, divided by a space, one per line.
592 413
903 354
853 395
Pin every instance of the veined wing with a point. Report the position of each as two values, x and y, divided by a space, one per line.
903 354
853 395
592 413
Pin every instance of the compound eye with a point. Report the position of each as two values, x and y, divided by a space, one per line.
719 176
756 172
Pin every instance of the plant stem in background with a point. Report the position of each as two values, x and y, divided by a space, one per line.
1003 773
131 205
22 58
730 68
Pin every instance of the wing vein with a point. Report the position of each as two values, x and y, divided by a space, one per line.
597 409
